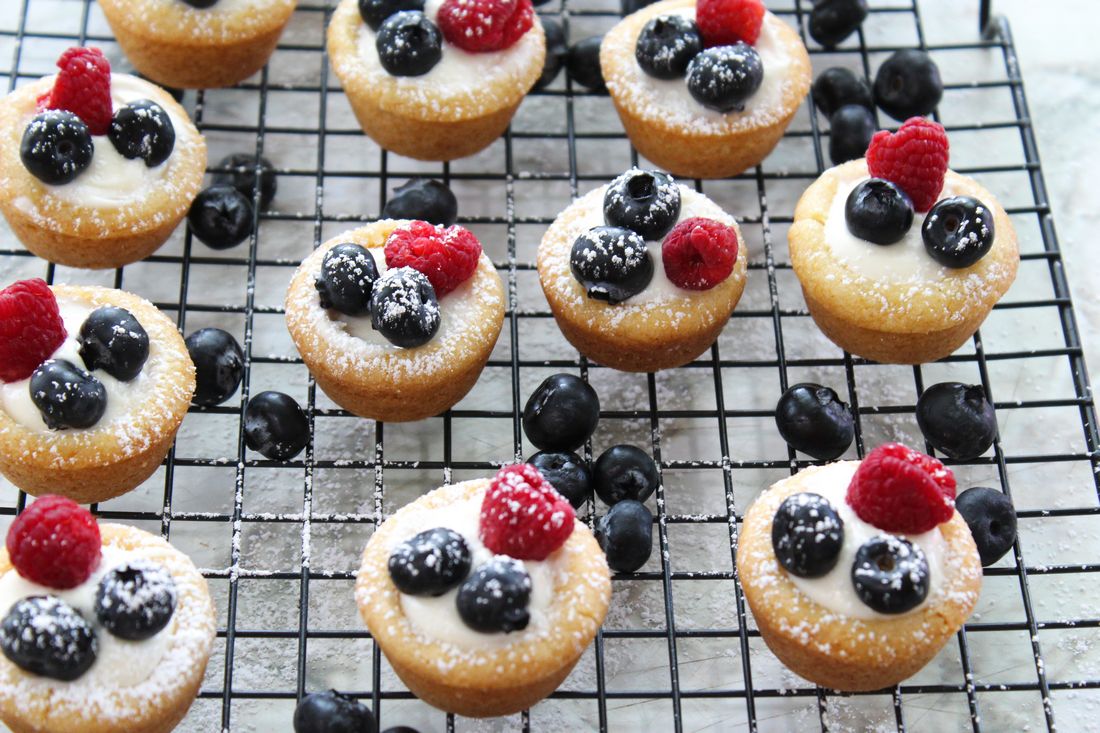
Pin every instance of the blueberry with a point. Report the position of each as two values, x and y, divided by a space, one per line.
331 712
561 413
837 86
666 46
430 563
275 426
878 211
957 419
556 51
992 520
201 3
831 21
625 535
890 574
723 77
66 395
240 173
403 307
348 274
136 600
111 339
409 44
958 231
57 147
409 728
495 596
807 534
425 199
142 129
583 64
221 216
219 365
624 472
633 6
908 84
646 202
567 472
850 131
374 12
45 636
612 263
812 419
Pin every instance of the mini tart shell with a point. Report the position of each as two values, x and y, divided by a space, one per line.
90 236
684 150
424 126
642 337
490 682
833 650
895 322
154 706
180 46
397 385
100 463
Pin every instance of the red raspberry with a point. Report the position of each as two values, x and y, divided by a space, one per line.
31 328
725 22
914 158
699 253
83 87
898 489
523 516
485 25
54 543
448 257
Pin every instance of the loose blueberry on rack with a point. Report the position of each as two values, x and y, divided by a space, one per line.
346 281
624 472
561 413
556 51
992 520
612 263
958 231
275 426
57 147
957 419
430 563
908 84
374 12
807 534
850 130
45 636
831 21
240 173
495 596
837 86
724 77
890 574
221 216
331 712
409 44
583 64
409 728
425 199
625 535
404 308
67 396
666 46
567 472
646 202
113 340
812 419
136 600
142 129
219 365
878 211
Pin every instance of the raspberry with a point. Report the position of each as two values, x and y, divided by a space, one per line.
83 87
448 257
523 516
485 25
914 159
31 328
898 489
725 22
699 253
54 543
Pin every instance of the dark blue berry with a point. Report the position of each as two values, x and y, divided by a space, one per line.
878 211
275 426
724 77
625 535
219 365
240 173
404 308
831 21
495 596
425 199
908 84
409 44
374 12
136 600
837 86
807 534
624 472
221 216
201 3
646 202
430 563
561 413
890 574
45 636
556 51
57 147
142 129
666 46
111 339
567 472
66 395
812 419
331 712
957 419
958 231
850 131
409 728
612 263
992 520
347 277
583 64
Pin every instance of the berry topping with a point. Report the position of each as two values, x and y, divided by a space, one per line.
374 12
331 712
992 520
725 22
201 4
699 253
431 563
878 211
625 535
45 636
425 199
567 472
111 339
523 516
890 574
850 131
448 256
561 413
67 396
831 21
56 147
807 534
583 64
495 597
612 263
83 87
54 542
723 77
142 129
241 175
219 365
348 274
136 600
957 419
958 231
914 159
556 51
275 426
908 84
403 308
666 46
221 216
409 44
647 202
812 419
836 87
624 472
485 25
31 328
898 489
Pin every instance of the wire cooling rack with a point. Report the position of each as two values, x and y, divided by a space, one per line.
279 542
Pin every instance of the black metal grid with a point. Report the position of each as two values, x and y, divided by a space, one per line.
598 698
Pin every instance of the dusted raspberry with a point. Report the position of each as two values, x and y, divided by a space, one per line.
523 516
699 253
31 328
54 543
485 25
898 489
447 256
725 22
83 87
914 159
